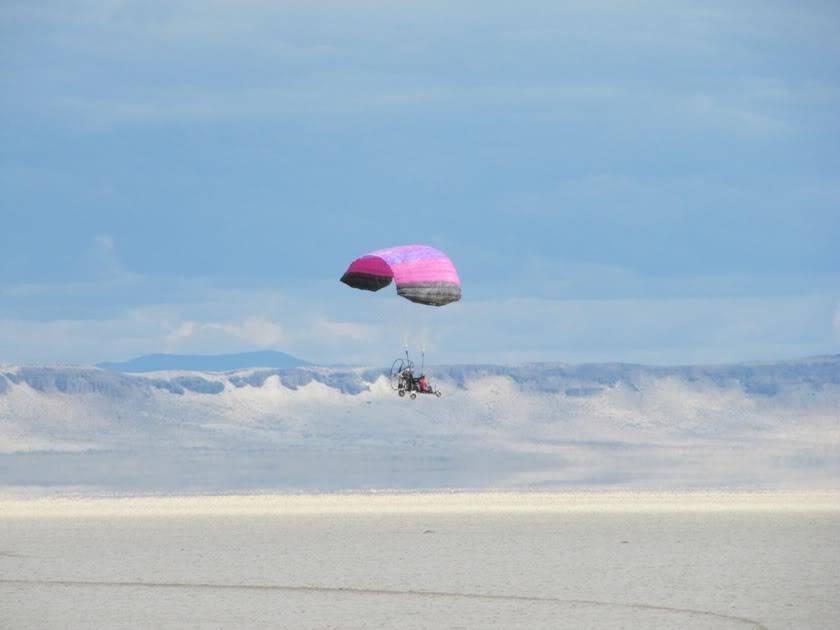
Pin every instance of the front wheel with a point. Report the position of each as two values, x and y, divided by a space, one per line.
413 395
401 393
438 394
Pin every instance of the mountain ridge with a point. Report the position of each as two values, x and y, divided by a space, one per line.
528 426
760 377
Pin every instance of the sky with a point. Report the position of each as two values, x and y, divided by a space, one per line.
653 182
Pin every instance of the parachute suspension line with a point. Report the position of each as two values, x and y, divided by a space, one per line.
413 324
403 314
420 321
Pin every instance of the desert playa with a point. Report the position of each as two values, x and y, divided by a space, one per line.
419 560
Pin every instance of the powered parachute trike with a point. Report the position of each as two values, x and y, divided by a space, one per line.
423 275
403 381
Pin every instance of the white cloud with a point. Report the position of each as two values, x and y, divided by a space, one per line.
335 58
183 331
651 330
345 331
100 259
640 318
250 333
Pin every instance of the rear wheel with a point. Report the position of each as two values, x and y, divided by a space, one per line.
401 393
438 394
413 395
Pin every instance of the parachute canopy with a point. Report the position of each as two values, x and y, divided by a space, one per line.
422 274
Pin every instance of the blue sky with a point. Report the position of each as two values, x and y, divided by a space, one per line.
650 181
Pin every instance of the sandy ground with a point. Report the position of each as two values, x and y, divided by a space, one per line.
445 560
23 504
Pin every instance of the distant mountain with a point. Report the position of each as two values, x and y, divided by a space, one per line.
533 426
206 363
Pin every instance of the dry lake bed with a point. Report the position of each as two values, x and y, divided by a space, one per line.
448 560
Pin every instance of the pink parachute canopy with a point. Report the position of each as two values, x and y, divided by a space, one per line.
422 274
